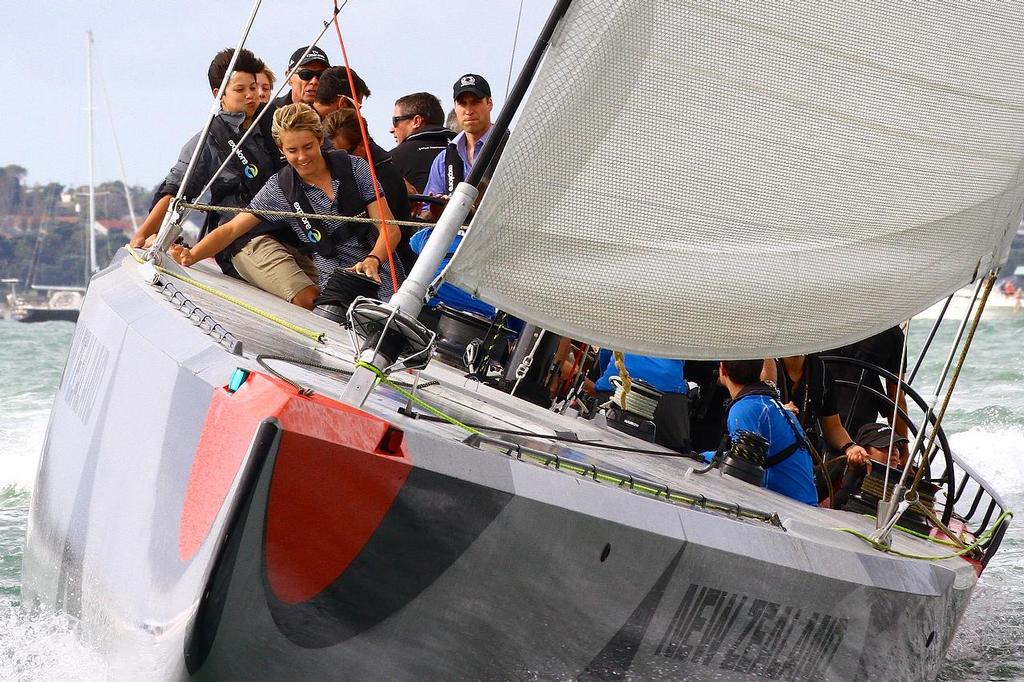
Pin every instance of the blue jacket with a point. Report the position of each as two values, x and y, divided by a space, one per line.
792 477
449 294
664 374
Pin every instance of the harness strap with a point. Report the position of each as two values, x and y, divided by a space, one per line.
798 438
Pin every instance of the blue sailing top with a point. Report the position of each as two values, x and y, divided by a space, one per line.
664 374
793 476
449 294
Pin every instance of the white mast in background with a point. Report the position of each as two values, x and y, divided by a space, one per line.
92 182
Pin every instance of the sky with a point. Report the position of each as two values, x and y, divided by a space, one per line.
151 60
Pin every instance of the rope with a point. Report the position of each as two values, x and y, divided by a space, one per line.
294 214
634 401
383 379
319 337
627 383
366 146
980 540
590 471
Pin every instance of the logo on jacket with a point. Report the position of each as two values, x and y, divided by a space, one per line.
312 235
249 169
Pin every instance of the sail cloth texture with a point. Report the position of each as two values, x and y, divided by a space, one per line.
747 179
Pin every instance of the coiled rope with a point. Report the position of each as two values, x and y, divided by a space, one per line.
636 399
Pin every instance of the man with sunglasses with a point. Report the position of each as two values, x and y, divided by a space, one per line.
306 77
417 125
333 91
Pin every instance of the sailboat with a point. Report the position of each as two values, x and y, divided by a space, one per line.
234 488
63 302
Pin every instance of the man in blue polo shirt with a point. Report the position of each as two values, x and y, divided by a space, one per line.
755 407
473 106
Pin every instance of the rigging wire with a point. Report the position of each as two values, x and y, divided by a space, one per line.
163 234
366 146
117 148
896 410
515 42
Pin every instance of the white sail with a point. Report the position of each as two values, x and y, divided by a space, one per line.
737 179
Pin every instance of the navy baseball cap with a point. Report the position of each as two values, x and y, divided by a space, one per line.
315 55
471 83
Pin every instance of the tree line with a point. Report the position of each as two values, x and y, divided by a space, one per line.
43 237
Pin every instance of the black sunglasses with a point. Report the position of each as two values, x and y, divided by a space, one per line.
307 74
395 119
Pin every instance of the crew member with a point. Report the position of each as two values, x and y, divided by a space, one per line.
249 167
473 105
473 102
417 125
306 77
875 439
807 389
755 407
339 184
342 131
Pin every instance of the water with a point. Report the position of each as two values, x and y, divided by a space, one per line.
31 360
986 421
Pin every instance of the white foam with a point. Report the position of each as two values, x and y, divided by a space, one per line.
21 441
995 454
45 648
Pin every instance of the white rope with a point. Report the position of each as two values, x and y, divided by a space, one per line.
640 400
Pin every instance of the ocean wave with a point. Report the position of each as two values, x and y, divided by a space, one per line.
43 648
994 452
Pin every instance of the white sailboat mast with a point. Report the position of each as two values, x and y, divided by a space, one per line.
92 180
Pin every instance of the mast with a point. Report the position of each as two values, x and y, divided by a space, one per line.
91 266
410 296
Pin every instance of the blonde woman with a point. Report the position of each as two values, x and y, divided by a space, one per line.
335 183
265 80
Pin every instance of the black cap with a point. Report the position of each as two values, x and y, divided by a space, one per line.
877 436
315 55
472 83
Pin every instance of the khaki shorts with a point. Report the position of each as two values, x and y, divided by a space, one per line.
275 267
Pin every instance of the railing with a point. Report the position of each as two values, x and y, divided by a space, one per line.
968 497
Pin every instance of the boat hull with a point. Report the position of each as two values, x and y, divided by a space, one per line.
201 530
38 314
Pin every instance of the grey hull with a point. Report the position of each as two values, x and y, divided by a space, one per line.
477 565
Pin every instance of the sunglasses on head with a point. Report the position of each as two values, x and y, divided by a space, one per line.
308 74
395 120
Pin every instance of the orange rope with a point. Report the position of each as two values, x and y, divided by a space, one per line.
366 146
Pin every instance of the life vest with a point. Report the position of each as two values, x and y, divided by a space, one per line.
253 162
799 440
453 167
315 236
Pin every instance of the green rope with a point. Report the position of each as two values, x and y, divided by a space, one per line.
908 555
383 378
590 472
319 337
